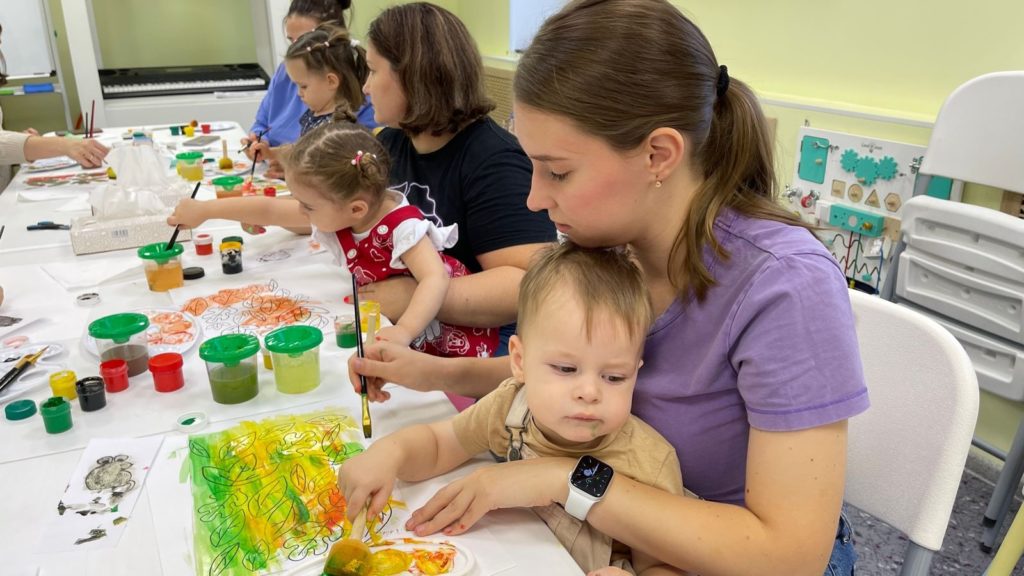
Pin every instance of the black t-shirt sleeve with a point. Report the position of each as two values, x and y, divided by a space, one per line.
495 203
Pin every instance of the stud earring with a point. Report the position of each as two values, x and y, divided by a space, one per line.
657 183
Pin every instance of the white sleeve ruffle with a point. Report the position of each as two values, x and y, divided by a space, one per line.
330 241
411 231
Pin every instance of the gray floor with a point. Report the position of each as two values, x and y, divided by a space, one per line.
880 547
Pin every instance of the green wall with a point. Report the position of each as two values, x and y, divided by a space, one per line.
138 33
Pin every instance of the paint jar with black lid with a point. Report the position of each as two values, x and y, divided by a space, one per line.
92 394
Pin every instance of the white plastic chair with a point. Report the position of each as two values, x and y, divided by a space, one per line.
978 137
906 453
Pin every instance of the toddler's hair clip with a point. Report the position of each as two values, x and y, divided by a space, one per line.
358 158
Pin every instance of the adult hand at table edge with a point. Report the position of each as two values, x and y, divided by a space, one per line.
455 508
390 362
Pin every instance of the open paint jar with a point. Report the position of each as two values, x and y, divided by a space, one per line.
296 356
369 310
227 186
91 393
345 333
163 266
63 384
56 414
231 367
123 336
190 165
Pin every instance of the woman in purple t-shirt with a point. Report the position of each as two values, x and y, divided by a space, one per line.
752 368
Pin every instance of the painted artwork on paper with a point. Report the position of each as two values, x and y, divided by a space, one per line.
100 495
256 309
265 493
76 178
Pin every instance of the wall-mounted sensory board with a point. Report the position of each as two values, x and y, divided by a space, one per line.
855 188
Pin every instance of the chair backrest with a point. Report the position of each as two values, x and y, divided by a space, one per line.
979 133
906 454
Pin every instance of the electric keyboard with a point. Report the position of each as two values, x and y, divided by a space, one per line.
166 81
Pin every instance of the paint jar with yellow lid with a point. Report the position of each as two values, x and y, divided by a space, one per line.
63 384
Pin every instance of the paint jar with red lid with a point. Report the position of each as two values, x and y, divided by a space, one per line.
203 244
166 370
115 374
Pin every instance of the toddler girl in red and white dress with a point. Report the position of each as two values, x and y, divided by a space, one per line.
338 175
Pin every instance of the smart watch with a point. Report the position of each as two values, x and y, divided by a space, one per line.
587 485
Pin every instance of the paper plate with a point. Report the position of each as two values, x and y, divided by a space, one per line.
33 376
218 126
46 164
464 561
169 330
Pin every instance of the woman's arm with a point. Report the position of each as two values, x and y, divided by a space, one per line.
483 300
388 362
431 286
794 490
261 210
87 152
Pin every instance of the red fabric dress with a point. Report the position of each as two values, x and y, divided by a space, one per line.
374 258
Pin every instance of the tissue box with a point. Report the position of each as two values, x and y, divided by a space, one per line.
90 234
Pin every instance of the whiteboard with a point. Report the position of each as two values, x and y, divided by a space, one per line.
525 18
26 38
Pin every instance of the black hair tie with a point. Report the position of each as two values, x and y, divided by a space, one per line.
723 80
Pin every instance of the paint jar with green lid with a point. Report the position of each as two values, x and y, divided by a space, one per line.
190 165
56 415
295 351
231 367
123 336
162 266
227 186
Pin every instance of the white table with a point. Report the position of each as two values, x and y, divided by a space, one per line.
35 466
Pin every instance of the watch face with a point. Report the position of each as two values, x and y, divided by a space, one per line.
592 476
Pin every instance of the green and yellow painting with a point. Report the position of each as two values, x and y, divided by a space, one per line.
265 493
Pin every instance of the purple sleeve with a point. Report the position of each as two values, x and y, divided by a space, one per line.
793 346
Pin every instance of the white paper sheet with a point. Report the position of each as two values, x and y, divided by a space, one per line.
88 273
97 504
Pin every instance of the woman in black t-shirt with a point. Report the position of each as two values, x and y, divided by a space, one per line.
452 161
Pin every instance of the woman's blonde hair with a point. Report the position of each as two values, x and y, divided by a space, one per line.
600 279
668 77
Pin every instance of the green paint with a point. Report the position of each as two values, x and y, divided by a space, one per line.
264 492
188 421
234 384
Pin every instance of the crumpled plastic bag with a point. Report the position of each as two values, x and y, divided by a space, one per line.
143 185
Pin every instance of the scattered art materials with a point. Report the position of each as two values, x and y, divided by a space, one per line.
203 244
122 336
56 413
91 393
231 367
231 257
295 354
166 371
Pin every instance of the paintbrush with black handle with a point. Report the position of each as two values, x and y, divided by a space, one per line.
367 426
26 361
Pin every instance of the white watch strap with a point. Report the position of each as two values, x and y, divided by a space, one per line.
578 504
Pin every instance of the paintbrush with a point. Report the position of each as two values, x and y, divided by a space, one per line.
351 556
177 228
367 426
255 158
22 365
